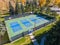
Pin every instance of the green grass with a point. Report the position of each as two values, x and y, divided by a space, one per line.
4 38
1 19
23 41
42 30
20 41
2 16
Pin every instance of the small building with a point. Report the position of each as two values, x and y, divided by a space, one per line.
55 9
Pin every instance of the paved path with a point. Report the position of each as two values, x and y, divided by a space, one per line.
33 39
42 40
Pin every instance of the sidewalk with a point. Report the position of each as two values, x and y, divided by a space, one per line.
33 39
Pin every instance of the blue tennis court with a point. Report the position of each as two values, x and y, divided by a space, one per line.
34 20
19 25
26 23
15 26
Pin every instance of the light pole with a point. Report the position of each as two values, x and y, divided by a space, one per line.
34 26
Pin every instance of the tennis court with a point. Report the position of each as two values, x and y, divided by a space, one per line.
19 25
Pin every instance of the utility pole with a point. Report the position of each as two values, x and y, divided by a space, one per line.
34 26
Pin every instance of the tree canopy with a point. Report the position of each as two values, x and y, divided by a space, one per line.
53 37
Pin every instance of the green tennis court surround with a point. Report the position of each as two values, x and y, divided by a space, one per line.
15 27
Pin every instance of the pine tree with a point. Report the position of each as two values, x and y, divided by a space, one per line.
11 9
16 8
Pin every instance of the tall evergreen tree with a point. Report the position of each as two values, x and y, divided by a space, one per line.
16 8
11 9
22 8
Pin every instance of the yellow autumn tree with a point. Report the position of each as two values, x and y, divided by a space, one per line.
42 2
57 2
4 5
22 1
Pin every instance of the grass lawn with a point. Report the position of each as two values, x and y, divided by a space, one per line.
1 19
23 41
4 38
3 15
42 30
